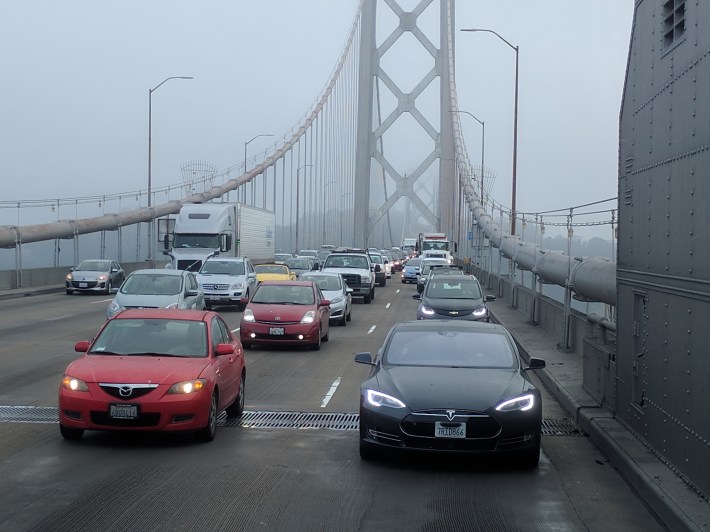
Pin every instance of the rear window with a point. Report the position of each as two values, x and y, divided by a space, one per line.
449 349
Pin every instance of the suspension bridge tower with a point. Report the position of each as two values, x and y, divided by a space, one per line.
427 178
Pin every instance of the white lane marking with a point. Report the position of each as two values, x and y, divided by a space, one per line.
331 392
101 301
235 330
397 291
372 329
388 305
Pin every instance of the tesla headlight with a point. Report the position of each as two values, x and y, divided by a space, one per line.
74 384
185 387
248 316
382 399
336 299
428 311
479 312
70 277
309 317
522 403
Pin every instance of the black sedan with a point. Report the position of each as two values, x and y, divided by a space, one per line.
450 386
453 297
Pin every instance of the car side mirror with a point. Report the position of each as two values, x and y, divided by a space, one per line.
349 290
224 349
535 363
364 358
378 268
244 300
324 303
251 275
489 298
192 293
81 347
418 297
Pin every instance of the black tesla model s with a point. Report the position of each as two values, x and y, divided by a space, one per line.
450 386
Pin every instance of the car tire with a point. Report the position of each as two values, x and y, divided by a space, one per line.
247 345
344 321
367 299
327 335
372 294
350 315
383 283
368 452
316 346
69 433
236 409
208 306
404 282
208 433
70 292
109 287
530 458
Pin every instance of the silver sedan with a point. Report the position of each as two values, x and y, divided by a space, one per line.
336 290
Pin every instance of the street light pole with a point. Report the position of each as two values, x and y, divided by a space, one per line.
298 197
245 158
483 145
515 126
150 159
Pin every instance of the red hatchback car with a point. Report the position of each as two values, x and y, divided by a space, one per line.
286 312
156 370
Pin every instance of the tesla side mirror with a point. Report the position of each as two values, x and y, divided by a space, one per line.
364 358
81 347
489 298
224 349
535 363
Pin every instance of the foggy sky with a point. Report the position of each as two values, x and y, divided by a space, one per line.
76 75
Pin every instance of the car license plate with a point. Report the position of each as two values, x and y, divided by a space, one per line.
214 298
123 411
83 285
276 331
449 430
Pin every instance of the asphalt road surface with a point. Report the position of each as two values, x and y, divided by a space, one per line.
262 475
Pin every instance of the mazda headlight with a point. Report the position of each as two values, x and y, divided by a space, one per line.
186 387
74 384
376 398
309 317
248 316
522 403
102 277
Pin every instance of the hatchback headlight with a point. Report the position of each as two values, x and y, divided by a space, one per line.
74 384
480 312
172 306
102 277
70 277
114 308
248 316
186 387
309 317
428 311
376 398
336 299
522 403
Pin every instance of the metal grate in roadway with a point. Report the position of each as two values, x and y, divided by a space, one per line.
269 420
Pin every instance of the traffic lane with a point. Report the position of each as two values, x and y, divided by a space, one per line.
301 379
285 480
37 343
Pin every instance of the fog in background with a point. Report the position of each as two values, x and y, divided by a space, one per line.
76 75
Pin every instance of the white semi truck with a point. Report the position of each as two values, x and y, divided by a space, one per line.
435 246
204 230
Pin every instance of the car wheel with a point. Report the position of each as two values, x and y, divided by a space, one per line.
316 346
404 282
368 452
344 321
208 306
350 314
242 307
69 433
367 298
109 287
530 458
383 283
247 345
70 292
372 294
327 335
207 434
236 409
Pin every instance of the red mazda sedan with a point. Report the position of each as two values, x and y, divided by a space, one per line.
286 312
156 370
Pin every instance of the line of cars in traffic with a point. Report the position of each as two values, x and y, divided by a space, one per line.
448 381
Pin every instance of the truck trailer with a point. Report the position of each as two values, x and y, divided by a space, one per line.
204 230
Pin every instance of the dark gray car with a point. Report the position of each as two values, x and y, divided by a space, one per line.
453 297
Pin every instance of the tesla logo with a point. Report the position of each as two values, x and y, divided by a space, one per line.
450 414
125 391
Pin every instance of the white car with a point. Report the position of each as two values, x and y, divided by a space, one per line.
153 288
337 291
226 280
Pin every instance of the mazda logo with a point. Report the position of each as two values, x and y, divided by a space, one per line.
125 391
450 414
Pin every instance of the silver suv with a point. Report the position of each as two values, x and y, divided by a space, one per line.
225 280
357 269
